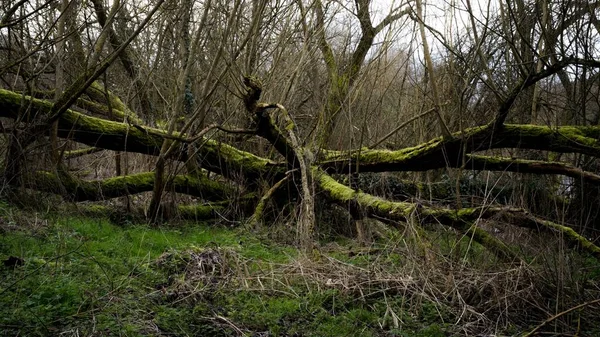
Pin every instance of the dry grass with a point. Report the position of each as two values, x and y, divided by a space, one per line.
472 298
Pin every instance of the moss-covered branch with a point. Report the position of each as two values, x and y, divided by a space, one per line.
81 190
398 210
202 212
394 188
215 156
220 210
440 152
81 152
462 220
573 239
229 161
256 218
490 163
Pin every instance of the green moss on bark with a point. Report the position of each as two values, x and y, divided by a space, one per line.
461 219
218 157
439 152
200 212
80 190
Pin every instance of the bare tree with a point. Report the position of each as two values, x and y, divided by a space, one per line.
208 79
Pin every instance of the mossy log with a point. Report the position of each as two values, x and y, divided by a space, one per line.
398 189
201 212
396 210
491 163
571 237
81 152
448 152
256 218
461 219
81 190
231 162
219 210
215 156
369 205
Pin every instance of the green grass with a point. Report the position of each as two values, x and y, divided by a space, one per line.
87 276
88 269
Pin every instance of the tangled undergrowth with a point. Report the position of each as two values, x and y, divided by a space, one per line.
82 276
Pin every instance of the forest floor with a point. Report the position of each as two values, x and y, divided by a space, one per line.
69 274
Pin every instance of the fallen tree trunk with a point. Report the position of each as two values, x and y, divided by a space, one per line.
448 152
460 219
491 163
222 210
232 163
398 189
569 235
371 206
198 212
81 152
81 190
215 156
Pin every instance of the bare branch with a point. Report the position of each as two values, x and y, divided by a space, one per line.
75 90
391 18
532 79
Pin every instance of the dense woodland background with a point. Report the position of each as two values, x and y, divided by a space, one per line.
318 119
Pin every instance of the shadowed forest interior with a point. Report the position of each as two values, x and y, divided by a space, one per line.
300 168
